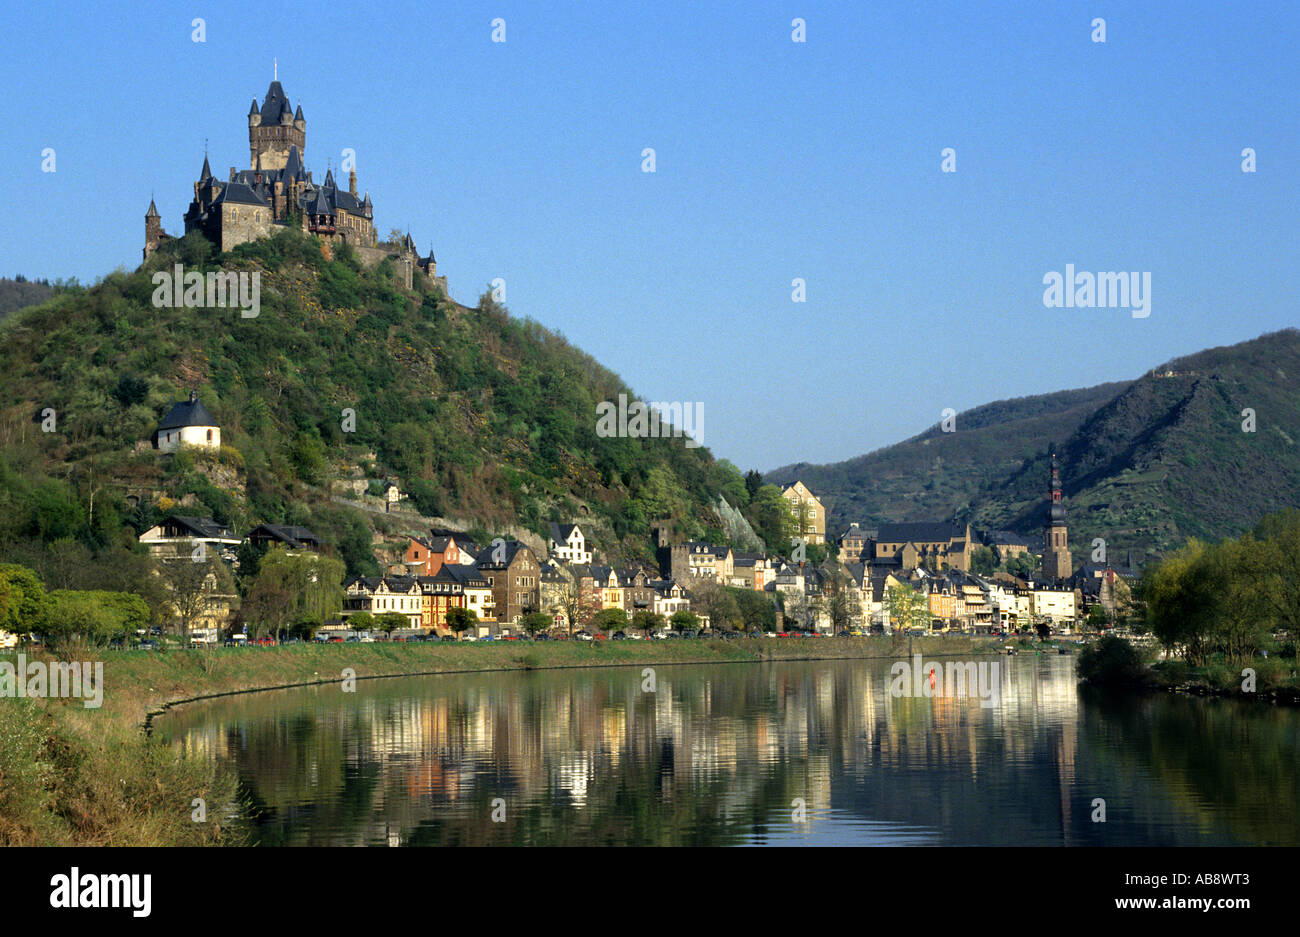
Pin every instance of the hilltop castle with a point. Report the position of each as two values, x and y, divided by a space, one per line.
279 190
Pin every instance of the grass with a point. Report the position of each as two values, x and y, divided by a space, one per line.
76 776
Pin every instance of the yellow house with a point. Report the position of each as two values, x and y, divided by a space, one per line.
808 512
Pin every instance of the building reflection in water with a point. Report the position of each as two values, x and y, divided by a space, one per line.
715 755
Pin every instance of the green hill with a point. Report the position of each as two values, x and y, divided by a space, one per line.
1144 464
484 420
19 293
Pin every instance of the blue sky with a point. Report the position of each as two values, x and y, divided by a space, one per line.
774 160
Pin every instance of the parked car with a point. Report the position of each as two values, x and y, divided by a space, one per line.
449 637
620 636
148 645
541 636
581 636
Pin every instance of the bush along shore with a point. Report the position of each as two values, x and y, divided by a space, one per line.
84 770
1114 662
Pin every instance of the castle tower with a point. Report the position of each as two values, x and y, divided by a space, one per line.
1057 563
153 230
275 128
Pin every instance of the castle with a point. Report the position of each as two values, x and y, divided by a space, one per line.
278 189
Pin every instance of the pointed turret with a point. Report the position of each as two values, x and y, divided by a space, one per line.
254 116
206 172
153 210
329 179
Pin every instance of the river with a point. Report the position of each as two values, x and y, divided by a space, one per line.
816 753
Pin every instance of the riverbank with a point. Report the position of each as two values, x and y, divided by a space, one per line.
70 774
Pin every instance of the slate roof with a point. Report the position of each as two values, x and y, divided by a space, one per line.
240 193
199 526
920 532
560 532
275 104
187 413
513 547
296 537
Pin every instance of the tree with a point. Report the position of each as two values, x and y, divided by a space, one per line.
193 588
94 616
461 619
757 609
1024 565
647 621
388 622
23 601
842 605
534 622
361 621
772 519
685 621
716 602
908 608
609 619
983 561
291 585
1280 576
577 605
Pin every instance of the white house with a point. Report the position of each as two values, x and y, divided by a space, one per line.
177 535
378 596
568 544
187 423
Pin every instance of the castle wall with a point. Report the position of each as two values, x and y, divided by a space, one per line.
241 223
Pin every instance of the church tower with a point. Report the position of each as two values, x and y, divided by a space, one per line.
274 129
1057 563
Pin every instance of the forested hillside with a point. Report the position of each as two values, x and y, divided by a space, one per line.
482 418
1144 465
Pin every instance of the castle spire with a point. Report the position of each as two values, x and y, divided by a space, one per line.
153 209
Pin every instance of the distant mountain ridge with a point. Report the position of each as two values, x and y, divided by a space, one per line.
1145 464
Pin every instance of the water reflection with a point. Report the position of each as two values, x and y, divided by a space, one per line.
724 754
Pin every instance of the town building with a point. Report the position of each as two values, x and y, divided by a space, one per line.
383 595
694 560
514 575
855 544
568 544
933 545
177 535
294 538
810 516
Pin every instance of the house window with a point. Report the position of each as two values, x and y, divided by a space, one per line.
209 435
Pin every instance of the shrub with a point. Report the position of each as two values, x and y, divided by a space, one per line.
1112 661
